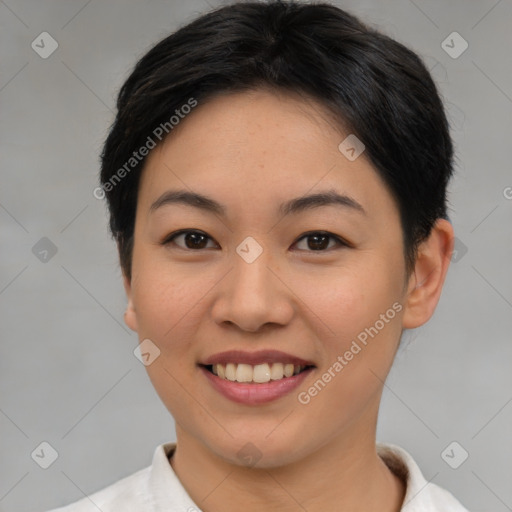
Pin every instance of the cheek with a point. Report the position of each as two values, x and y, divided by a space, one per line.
347 302
168 315
362 314
363 319
165 301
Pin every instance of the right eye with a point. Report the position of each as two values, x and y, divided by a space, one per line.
189 239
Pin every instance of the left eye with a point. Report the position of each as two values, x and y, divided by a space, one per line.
191 239
319 241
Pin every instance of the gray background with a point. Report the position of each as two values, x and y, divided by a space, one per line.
67 370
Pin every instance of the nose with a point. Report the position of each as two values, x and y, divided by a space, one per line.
253 295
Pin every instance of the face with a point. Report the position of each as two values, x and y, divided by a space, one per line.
264 274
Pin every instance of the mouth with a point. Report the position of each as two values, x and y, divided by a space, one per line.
255 374
255 378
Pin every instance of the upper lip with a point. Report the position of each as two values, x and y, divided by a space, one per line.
254 358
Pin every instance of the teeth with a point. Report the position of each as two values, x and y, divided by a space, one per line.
230 371
259 373
277 371
288 370
244 373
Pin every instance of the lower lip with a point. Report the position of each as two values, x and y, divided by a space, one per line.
254 394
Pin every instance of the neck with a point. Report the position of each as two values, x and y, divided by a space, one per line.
346 474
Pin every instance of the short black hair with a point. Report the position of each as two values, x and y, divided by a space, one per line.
375 87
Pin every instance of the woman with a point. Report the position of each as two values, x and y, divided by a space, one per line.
276 177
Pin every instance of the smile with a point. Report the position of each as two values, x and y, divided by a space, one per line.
255 378
259 373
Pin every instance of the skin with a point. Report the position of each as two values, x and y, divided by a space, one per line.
250 152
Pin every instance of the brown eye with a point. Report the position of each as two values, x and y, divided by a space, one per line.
319 241
190 239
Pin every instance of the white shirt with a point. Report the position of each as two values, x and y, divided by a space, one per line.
157 488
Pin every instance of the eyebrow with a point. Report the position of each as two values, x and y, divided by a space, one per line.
293 206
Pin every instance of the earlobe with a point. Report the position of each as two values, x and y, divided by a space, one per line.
426 282
130 315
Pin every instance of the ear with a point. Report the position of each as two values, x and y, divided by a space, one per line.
130 316
426 281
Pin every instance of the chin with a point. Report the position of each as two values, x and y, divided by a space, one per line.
258 450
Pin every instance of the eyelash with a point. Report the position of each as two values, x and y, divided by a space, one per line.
339 241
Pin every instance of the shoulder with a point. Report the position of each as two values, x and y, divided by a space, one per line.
420 495
147 489
129 493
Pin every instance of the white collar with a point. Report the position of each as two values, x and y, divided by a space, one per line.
168 493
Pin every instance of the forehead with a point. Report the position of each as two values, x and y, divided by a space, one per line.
257 147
